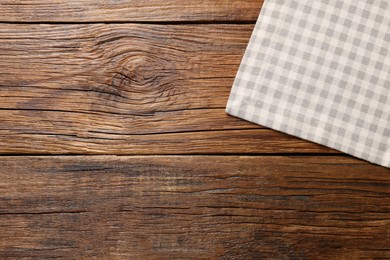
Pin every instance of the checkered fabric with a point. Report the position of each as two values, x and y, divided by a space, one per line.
320 70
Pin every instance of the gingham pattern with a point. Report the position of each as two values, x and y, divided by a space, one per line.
320 70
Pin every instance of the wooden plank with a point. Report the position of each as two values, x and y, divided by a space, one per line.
210 207
126 89
128 11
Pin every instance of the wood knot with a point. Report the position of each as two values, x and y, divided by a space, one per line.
138 72
145 80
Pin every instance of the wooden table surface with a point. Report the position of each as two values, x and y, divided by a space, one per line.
114 144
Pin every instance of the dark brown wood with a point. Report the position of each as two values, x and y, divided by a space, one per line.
128 11
180 207
126 89
74 82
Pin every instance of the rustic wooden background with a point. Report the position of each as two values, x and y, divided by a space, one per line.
114 144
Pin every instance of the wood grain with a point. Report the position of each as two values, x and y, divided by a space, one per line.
203 207
128 11
135 77
126 89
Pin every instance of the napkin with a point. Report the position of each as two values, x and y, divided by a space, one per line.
320 70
